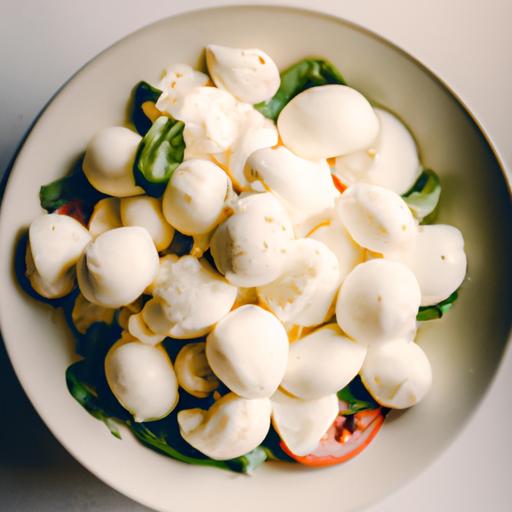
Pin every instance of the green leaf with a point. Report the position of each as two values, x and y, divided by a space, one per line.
159 154
423 197
297 78
437 310
356 397
87 397
249 462
73 187
142 93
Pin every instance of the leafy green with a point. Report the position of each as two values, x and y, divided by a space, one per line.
159 153
73 187
356 397
297 78
437 310
142 93
423 197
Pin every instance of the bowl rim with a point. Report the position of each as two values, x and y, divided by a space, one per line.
505 171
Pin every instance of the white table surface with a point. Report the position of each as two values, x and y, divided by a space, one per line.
466 42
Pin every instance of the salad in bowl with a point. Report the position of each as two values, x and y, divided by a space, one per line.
245 264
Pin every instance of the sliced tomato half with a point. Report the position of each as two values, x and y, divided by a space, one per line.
341 443
74 208
338 183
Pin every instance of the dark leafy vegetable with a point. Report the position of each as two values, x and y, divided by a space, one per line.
142 93
356 397
437 310
423 198
74 189
297 78
160 152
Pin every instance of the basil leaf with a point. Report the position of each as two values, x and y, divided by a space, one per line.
297 78
249 462
437 310
159 153
73 187
356 397
423 197
142 93
87 397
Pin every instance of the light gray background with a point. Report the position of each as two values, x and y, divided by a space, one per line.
466 42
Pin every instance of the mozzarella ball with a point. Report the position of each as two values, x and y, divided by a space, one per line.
105 216
146 212
335 237
233 426
211 120
304 293
255 131
327 121
378 301
390 161
250 75
193 371
397 374
322 363
304 187
251 246
84 314
376 218
108 161
195 197
117 267
55 243
138 328
301 424
248 351
189 298
177 82
142 379
438 261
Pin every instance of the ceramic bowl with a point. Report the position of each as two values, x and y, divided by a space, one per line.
464 348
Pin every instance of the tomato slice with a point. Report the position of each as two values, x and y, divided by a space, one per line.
338 183
74 208
340 442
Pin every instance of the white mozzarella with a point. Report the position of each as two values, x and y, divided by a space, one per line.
438 261
211 118
105 216
195 197
301 424
56 242
248 351
146 212
377 218
142 379
193 371
304 293
85 313
397 374
251 247
322 363
378 301
303 186
108 161
233 426
189 298
138 328
334 235
327 121
117 266
249 74
177 82
390 161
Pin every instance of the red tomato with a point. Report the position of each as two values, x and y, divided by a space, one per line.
338 183
74 208
341 443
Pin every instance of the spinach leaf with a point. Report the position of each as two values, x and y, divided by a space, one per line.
356 397
437 310
423 197
142 93
73 187
87 397
159 153
297 78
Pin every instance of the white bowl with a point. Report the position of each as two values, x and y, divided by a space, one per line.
464 348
